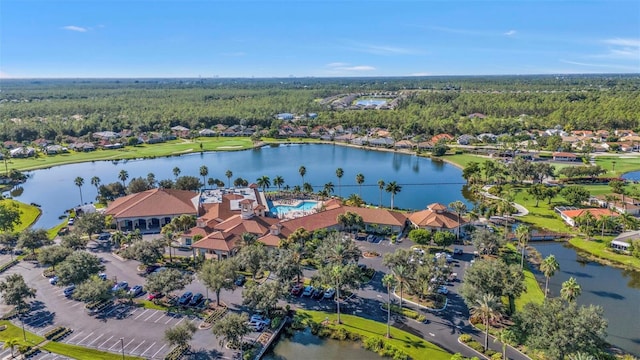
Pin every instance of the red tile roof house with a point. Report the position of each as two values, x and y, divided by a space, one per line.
569 216
150 210
564 156
436 217
439 137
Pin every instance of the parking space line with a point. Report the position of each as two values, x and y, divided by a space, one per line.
170 319
114 345
136 318
69 302
94 340
76 304
136 348
78 334
85 338
181 320
106 341
152 315
158 319
129 343
163 346
149 348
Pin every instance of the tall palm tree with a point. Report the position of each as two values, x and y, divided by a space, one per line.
123 175
570 290
211 181
95 181
204 171
229 175
339 174
460 208
486 308
176 172
505 336
402 274
523 235
393 188
307 188
302 171
278 181
79 182
628 221
354 200
549 266
390 282
264 182
11 344
360 181
380 187
581 356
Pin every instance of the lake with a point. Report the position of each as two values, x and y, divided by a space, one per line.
304 345
423 181
634 176
616 290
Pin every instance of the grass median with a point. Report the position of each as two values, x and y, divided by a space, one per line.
79 352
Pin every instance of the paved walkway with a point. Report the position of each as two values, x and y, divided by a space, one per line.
522 211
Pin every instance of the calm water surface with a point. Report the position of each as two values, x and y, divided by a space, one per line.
634 175
423 181
616 290
304 345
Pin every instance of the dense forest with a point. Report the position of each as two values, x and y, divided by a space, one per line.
31 109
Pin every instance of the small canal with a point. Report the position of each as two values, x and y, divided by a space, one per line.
616 290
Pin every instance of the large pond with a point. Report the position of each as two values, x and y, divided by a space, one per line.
634 176
423 181
304 345
616 290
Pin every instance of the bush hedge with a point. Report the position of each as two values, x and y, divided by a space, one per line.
6 266
406 312
177 353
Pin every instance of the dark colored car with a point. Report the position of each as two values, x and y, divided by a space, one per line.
185 298
240 280
296 290
196 299
318 293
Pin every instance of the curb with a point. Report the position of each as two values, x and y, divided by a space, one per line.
472 349
446 302
494 340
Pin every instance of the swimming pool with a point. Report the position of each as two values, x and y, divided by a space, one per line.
283 209
367 102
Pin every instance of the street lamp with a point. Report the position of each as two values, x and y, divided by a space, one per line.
122 345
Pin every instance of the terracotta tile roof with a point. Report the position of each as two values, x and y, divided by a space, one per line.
564 154
437 207
154 202
597 213
217 241
436 219
256 225
271 240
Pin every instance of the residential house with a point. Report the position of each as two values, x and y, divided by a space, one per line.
284 116
207 132
477 116
466 139
106 135
55 149
488 137
564 156
443 137
436 217
617 202
180 131
425 146
569 216
405 144
22 152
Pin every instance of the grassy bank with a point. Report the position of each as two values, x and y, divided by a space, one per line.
416 347
599 249
28 213
618 165
461 160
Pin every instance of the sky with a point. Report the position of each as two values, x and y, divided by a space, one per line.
305 38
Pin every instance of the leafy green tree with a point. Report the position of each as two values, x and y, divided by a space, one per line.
33 239
486 241
340 276
167 281
459 208
79 181
9 217
217 275
137 185
492 277
420 236
575 194
180 335
505 336
287 264
92 223
53 255
240 182
190 183
403 276
263 296
444 238
440 148
538 191
549 266
253 258
487 308
11 343
337 250
232 329
15 291
471 171
147 252
93 289
78 267
74 241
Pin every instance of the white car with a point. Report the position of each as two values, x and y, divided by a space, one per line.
330 293
443 290
260 318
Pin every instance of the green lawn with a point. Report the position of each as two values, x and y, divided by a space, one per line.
461 160
15 332
79 352
147 304
416 347
29 213
599 247
623 164
542 216
533 292
53 232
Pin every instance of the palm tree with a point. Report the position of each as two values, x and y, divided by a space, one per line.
204 171
328 187
360 181
402 274
79 182
95 181
211 181
381 187
278 181
248 239
570 290
460 208
389 281
354 200
486 308
393 188
302 171
123 175
522 234
10 344
228 174
628 221
581 355
307 188
339 174
505 336
176 172
549 266
264 182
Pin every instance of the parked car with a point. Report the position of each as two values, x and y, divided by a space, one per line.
443 290
296 289
122 285
53 280
185 298
136 290
318 293
257 326
104 237
240 280
102 276
260 318
458 251
71 221
196 299
453 277
308 290
330 293
154 295
68 291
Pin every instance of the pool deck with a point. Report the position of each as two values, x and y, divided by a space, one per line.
294 214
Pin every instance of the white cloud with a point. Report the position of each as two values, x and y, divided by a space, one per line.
340 68
336 64
510 33
421 74
623 42
359 68
382 49
75 28
600 65
4 75
619 48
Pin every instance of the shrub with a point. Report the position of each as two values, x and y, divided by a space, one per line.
490 352
373 344
496 356
476 346
465 338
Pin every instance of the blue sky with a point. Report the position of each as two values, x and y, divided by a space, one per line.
103 38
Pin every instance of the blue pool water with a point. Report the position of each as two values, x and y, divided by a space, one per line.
366 102
283 209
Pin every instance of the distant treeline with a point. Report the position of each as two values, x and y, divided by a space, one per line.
49 108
